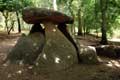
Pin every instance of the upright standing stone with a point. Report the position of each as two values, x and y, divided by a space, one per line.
58 52
27 49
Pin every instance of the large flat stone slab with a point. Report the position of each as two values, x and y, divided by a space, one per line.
40 15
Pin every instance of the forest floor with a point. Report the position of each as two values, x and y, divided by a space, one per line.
104 71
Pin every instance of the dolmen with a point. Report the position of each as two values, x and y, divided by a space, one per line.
48 45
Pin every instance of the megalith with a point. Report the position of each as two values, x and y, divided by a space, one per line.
59 51
50 46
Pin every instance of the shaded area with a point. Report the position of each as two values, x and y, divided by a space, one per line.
111 51
109 70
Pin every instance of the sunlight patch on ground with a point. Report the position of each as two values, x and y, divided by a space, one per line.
99 59
12 44
113 63
9 43
102 46
116 63
115 40
54 30
109 64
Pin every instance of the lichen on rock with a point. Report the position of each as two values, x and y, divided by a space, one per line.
27 48
88 55
58 52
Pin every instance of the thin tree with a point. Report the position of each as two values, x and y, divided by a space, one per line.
96 15
6 15
54 5
103 6
80 25
72 29
18 20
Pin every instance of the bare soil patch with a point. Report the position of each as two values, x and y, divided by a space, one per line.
108 70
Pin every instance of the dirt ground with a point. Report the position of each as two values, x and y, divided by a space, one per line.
110 70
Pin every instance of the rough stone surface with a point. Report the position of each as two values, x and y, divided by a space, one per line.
88 55
27 48
58 52
110 51
39 15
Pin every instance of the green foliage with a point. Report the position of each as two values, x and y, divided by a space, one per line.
90 11
7 6
13 5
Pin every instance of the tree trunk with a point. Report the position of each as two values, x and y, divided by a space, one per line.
96 15
12 27
79 22
54 5
6 14
6 24
18 19
104 21
72 31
